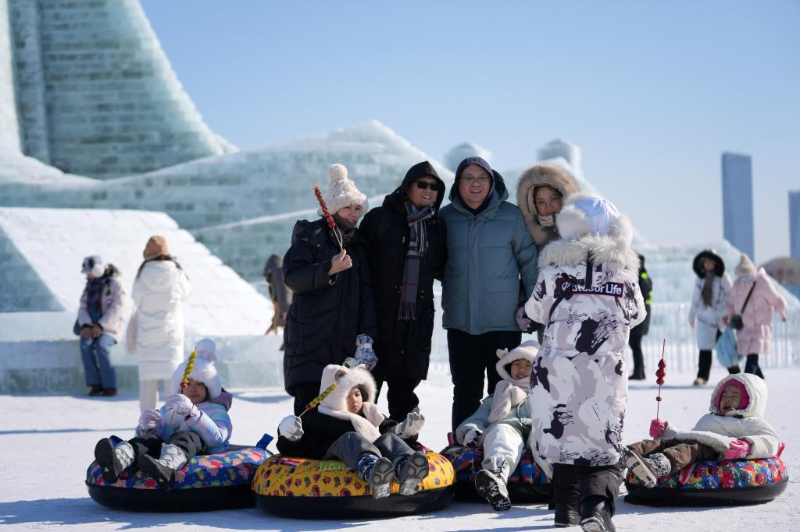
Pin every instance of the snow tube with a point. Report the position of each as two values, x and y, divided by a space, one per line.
527 483
208 482
316 489
725 483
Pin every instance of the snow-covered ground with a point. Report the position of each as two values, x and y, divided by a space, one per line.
47 442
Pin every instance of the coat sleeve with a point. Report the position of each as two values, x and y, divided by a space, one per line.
83 312
367 316
538 306
526 254
479 420
641 310
775 300
214 428
118 308
694 308
303 273
441 261
764 442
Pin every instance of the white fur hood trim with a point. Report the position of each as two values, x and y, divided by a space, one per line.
525 351
607 249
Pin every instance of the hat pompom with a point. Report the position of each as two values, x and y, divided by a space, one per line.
337 172
206 350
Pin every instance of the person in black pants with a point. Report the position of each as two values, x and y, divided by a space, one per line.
635 339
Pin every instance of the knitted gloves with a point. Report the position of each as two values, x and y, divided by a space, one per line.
738 449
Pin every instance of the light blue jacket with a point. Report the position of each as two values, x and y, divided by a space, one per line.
214 426
486 253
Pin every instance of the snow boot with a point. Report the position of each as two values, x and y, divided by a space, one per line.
649 469
490 483
113 460
566 515
596 515
410 470
95 390
377 471
163 468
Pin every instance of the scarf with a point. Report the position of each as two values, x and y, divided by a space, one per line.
366 426
708 289
417 245
506 396
546 221
346 228
94 297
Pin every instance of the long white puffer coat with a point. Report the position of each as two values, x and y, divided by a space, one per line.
159 292
709 318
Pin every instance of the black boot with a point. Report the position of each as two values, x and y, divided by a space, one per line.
95 390
596 515
567 515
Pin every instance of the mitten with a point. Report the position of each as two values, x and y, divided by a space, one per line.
657 428
411 425
364 353
149 420
737 449
472 437
291 428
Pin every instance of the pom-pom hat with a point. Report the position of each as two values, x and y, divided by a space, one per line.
745 267
341 191
205 369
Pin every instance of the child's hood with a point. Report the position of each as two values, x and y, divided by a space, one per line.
755 388
346 379
525 351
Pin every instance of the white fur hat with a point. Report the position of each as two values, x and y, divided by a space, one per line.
205 369
525 351
346 379
341 191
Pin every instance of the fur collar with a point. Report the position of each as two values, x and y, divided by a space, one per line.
535 176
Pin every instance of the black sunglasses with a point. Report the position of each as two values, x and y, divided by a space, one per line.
424 184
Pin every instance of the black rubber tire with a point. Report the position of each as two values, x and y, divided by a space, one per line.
173 500
709 497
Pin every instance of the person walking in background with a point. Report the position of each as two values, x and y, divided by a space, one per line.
101 320
752 300
406 243
709 301
635 339
155 333
279 293
333 310
488 249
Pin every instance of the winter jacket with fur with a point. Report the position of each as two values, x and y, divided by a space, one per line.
156 333
709 318
114 308
403 347
214 426
327 312
718 430
534 177
487 253
756 336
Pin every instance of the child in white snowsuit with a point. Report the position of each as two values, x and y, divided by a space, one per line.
735 429
192 421
348 426
502 424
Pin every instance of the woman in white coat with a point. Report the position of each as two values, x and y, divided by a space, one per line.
156 330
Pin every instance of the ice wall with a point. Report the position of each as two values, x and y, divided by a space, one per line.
9 129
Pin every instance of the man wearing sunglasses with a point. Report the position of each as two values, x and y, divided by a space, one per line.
488 250
406 243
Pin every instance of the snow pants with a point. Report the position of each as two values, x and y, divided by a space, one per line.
351 446
190 442
574 483
680 454
502 442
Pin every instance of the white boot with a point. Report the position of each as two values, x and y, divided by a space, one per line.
113 460
163 469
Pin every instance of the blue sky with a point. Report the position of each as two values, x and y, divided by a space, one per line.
652 92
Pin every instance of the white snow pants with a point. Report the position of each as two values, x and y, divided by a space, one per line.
502 443
148 394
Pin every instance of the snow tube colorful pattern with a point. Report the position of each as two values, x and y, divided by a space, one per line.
714 484
527 483
207 482
298 487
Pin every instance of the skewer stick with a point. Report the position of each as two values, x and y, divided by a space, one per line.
327 215
318 399
660 374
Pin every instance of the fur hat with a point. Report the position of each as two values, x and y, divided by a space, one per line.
205 369
93 264
586 214
342 192
335 405
525 351
745 267
155 247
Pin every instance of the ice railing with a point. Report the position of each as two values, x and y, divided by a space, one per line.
670 321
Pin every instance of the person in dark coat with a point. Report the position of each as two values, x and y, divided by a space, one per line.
407 251
333 303
635 339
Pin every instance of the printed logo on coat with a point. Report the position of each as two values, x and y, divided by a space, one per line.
567 284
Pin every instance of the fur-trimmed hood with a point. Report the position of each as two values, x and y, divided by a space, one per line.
525 351
335 404
756 389
536 176
205 369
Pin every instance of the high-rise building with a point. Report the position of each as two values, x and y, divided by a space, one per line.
794 224
737 201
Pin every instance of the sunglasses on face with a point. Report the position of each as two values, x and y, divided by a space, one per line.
424 184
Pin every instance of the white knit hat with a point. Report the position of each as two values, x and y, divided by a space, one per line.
342 192
205 369
745 267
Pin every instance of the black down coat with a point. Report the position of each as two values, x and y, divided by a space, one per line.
403 348
327 312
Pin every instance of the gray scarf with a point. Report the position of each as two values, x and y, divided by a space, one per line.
708 289
417 245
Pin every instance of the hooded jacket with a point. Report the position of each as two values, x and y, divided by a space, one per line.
534 177
159 292
756 335
709 318
487 252
403 347
113 308
327 312
718 430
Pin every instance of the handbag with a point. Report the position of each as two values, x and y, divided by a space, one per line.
727 353
736 320
76 328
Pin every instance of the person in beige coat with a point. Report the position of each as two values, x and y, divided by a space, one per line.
155 333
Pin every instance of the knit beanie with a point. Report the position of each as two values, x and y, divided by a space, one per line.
341 191
745 267
205 369
156 246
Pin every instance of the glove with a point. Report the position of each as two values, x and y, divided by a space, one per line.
291 428
149 420
472 437
657 428
364 352
737 449
523 322
181 408
411 425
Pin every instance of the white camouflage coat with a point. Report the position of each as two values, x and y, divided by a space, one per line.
579 382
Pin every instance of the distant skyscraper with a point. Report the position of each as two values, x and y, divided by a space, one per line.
737 201
458 153
794 224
